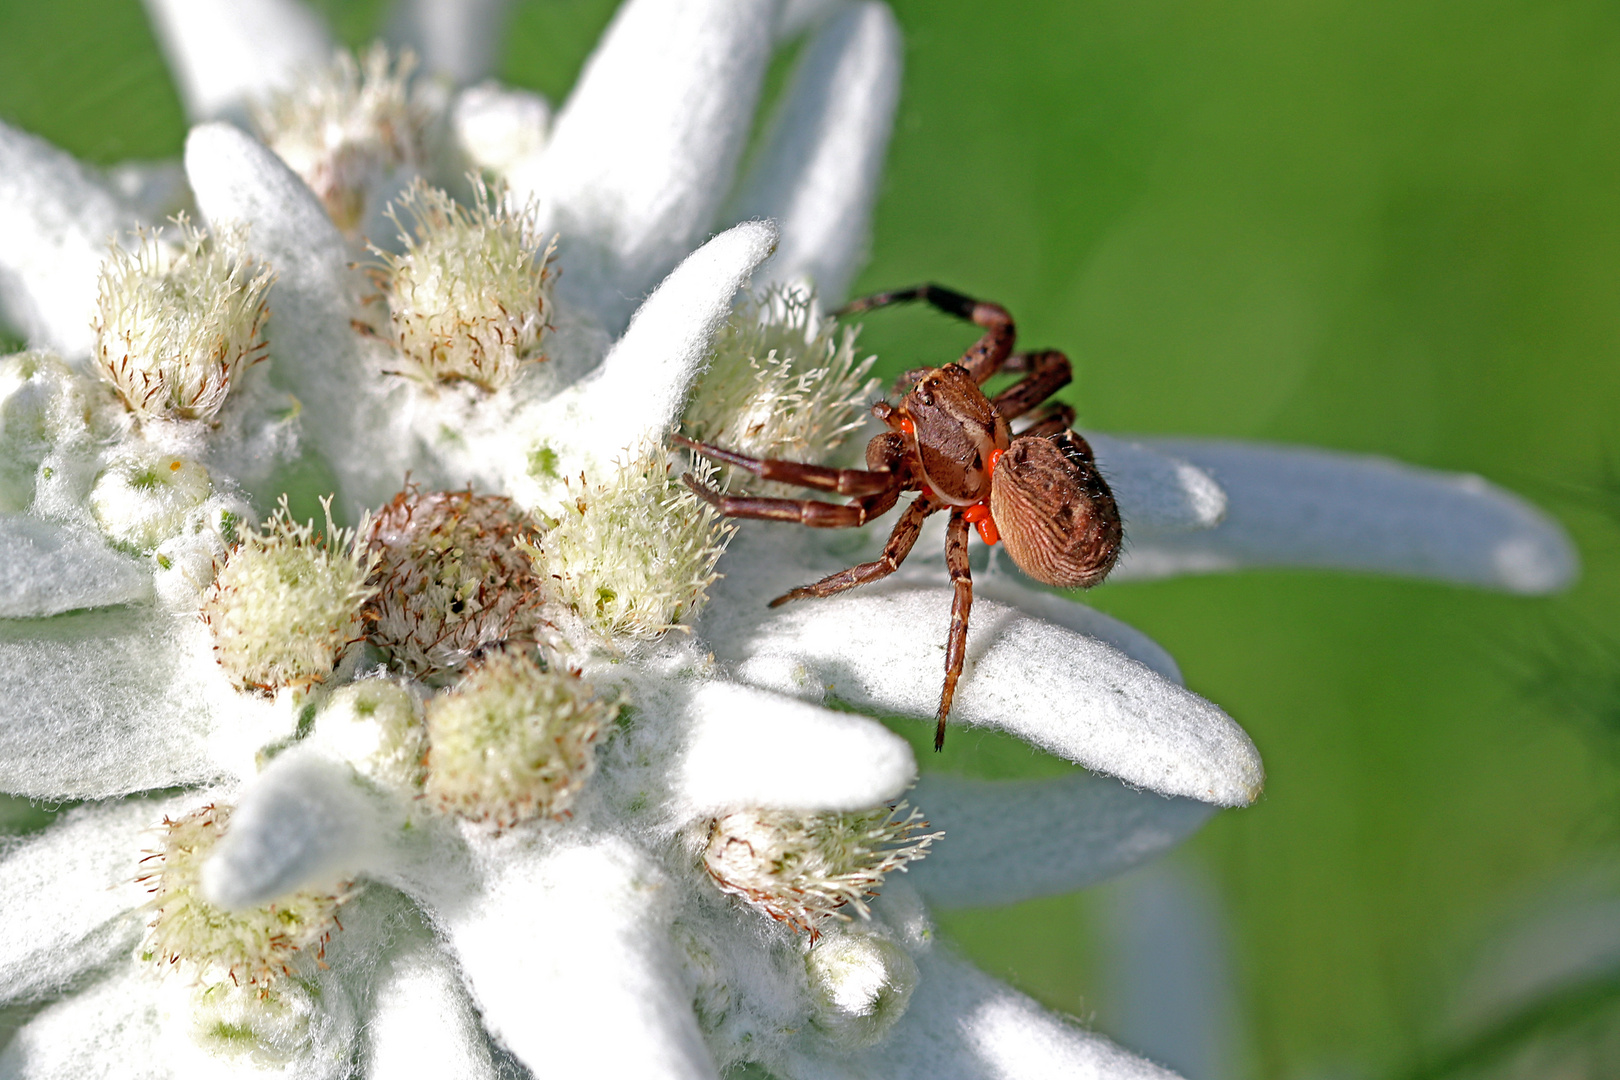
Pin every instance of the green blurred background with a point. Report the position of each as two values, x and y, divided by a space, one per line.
1389 226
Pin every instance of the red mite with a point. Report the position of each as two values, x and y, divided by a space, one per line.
1039 492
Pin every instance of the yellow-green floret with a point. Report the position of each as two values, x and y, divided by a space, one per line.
254 947
176 323
513 740
469 298
801 868
634 555
287 602
450 578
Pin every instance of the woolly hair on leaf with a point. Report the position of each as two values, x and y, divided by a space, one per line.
44 406
635 554
288 601
469 296
450 579
177 322
343 126
255 947
801 869
513 741
784 381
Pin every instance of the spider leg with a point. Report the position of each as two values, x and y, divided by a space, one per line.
956 560
811 512
1049 371
986 356
840 481
1051 420
901 541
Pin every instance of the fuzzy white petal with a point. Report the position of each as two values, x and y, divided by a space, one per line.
1015 840
104 683
316 352
56 220
881 648
639 392
644 150
224 53
423 1025
457 39
1157 491
70 897
1296 506
964 1025
46 569
558 938
305 822
752 748
817 176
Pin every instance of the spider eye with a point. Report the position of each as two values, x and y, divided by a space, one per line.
1055 512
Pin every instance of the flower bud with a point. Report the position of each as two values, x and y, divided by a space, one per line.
860 984
143 500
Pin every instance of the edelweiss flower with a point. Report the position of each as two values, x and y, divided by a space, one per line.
554 807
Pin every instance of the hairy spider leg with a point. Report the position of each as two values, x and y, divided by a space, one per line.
811 512
987 354
1054 419
839 481
956 560
899 545
1049 371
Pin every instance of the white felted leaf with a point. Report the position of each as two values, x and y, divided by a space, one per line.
1013 840
225 53
304 823
644 150
799 15
964 1025
457 39
115 1020
316 352
817 176
882 648
46 569
423 1024
111 685
752 748
639 392
1156 491
1296 506
559 938
70 897
55 223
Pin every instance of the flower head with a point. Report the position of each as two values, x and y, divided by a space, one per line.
177 323
469 297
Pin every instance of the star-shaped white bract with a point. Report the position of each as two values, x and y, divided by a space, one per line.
597 944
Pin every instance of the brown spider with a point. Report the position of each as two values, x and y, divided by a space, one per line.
1040 492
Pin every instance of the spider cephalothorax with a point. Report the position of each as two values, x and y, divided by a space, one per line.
1038 491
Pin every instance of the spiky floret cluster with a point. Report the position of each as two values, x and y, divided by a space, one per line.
254 947
288 601
861 983
177 322
469 298
143 499
343 125
784 381
450 579
513 741
635 554
376 725
801 868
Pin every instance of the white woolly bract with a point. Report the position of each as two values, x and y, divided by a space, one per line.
450 578
176 323
342 126
254 947
632 555
784 382
469 298
143 499
802 868
288 601
513 741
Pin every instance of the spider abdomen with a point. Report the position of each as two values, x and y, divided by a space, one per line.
1054 511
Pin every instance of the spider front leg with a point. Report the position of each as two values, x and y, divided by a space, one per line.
1054 419
811 512
986 356
956 560
900 543
1049 371
839 481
